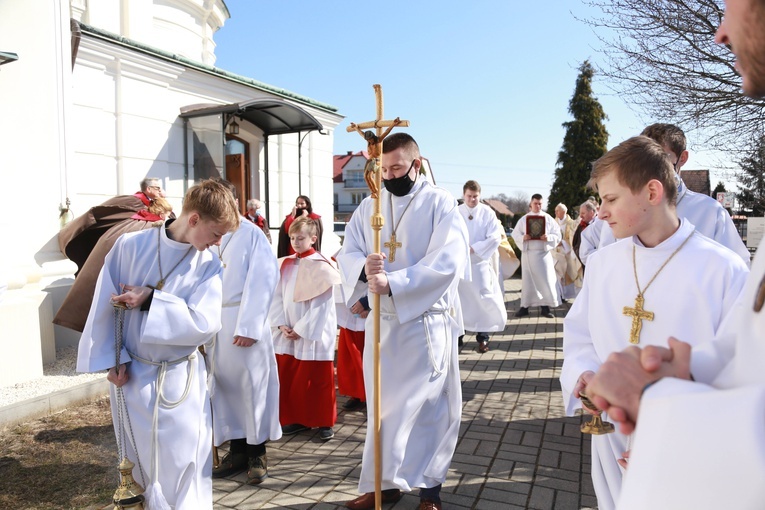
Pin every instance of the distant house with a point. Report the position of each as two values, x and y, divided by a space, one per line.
503 212
349 185
697 180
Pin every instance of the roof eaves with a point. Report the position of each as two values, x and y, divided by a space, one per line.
199 66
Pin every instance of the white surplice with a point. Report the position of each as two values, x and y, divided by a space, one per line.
245 383
707 215
315 320
182 316
685 305
537 265
421 397
482 299
345 317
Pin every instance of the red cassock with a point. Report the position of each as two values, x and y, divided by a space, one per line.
350 369
307 392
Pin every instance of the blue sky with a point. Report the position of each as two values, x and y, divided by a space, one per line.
485 84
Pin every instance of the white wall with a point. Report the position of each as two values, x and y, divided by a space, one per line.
182 27
35 94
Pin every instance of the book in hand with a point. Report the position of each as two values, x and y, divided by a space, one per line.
535 226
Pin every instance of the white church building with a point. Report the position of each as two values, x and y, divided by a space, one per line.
99 94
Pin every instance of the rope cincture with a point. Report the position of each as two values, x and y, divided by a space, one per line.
162 401
447 351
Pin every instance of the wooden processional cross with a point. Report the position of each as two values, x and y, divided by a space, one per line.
638 315
373 176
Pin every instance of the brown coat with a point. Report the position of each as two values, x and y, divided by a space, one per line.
86 240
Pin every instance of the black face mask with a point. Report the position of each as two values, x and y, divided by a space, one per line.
400 186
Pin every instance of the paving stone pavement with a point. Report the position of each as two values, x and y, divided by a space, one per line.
516 448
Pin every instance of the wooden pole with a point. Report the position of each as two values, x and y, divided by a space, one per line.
377 222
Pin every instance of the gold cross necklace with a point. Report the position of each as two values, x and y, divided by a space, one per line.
162 278
637 313
392 244
220 251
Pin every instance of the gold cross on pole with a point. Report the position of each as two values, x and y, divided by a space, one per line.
373 176
638 315
392 245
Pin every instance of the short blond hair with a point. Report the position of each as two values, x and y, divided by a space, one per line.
636 161
304 223
212 201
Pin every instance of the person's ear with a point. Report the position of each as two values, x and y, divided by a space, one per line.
683 159
314 239
655 190
194 219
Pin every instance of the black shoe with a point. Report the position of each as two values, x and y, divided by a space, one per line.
459 341
522 312
257 469
294 428
483 347
354 404
545 312
231 464
326 433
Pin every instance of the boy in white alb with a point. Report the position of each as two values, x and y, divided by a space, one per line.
304 323
170 284
642 289
696 463
245 383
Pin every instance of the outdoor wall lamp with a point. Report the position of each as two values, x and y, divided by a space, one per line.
6 57
233 128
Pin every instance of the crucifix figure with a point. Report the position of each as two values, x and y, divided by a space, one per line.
392 245
638 315
374 148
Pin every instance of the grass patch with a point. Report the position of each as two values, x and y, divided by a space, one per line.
67 460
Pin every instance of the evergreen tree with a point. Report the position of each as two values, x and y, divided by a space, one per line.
720 188
585 141
751 180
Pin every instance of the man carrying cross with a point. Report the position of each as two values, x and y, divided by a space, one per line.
421 399
641 290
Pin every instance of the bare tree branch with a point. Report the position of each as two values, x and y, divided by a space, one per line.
660 56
